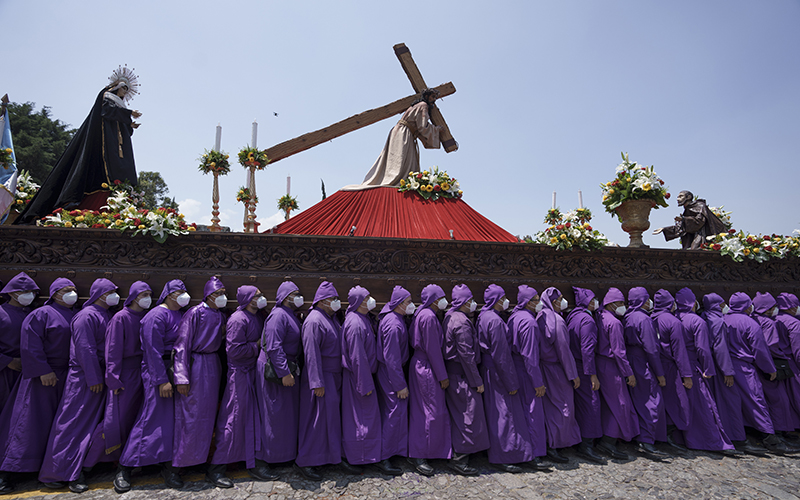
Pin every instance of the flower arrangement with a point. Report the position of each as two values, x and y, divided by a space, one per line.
244 196
740 246
123 214
26 189
252 157
287 203
723 216
214 162
432 184
634 182
5 157
568 231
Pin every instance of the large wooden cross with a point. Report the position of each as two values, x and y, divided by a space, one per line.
308 141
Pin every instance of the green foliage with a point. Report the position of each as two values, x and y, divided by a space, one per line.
153 190
39 140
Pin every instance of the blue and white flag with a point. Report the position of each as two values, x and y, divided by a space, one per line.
8 172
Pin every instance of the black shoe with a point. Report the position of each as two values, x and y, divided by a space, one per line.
171 478
793 448
775 445
612 451
262 473
650 450
349 468
461 467
387 468
554 456
6 485
79 485
219 479
422 466
537 464
514 469
55 485
309 473
750 448
122 481
731 453
586 451
675 445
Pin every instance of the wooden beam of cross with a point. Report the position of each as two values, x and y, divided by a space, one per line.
311 139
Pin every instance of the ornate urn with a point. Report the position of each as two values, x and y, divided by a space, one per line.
635 215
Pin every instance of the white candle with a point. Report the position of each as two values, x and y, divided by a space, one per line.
253 142
218 139
288 184
554 199
580 199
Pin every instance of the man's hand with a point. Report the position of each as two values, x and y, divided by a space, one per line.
687 382
540 391
136 113
480 389
729 380
15 364
319 392
658 231
576 382
96 388
445 383
288 380
403 393
595 382
165 390
631 381
183 389
135 124
117 391
512 393
662 381
49 380
773 375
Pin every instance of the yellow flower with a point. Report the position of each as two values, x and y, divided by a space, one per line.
563 236
103 214
141 226
586 225
8 150
19 202
756 250
425 173
611 191
68 224
460 192
118 223
104 185
628 179
402 182
746 251
646 186
608 183
180 216
191 228
554 240
605 197
227 156
445 186
212 164
107 221
80 218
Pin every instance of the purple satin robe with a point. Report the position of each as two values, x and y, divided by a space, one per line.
26 420
81 409
237 436
320 424
617 413
279 405
428 419
777 392
468 430
200 336
11 319
641 348
789 327
392 350
675 361
525 352
151 438
582 330
361 415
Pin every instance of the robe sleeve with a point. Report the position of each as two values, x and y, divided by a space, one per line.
390 347
183 345
32 355
354 356
616 340
563 352
648 337
274 333
236 345
529 350
466 355
114 351
677 347
588 338
703 347
792 329
431 332
312 338
152 336
772 339
693 219
498 349
427 132
719 346
83 327
116 113
754 336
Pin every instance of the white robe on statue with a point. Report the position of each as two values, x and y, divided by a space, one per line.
400 155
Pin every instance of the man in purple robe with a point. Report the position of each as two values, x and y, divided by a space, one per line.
197 377
238 432
428 420
617 414
462 355
320 425
84 397
509 440
524 344
361 416
392 385
150 441
44 353
123 378
777 392
749 353
788 325
706 431
641 348
20 293
558 370
582 330
279 400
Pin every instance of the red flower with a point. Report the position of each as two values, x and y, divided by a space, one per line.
98 226
560 227
661 182
766 238
437 188
58 210
644 168
75 213
731 231
768 248
716 246
95 212
116 216
588 228
117 182
137 222
667 195
567 225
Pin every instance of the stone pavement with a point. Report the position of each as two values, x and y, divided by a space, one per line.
696 475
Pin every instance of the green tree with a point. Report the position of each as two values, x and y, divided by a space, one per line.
39 140
154 191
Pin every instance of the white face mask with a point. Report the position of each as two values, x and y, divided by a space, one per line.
371 303
774 312
112 299
726 309
595 305
649 304
183 299
797 312
410 309
298 301
442 304
539 306
564 304
336 304
221 301
70 298
145 302
261 302
620 311
26 298
472 306
673 308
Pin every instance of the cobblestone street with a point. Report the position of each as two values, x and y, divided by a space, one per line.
697 475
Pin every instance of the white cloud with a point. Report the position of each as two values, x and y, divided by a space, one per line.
192 211
272 220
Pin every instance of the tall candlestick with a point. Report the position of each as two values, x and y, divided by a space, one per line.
288 185
580 198
218 139
554 199
253 142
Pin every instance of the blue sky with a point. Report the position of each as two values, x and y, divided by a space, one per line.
548 94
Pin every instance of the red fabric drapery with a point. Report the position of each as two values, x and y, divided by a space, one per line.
387 213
